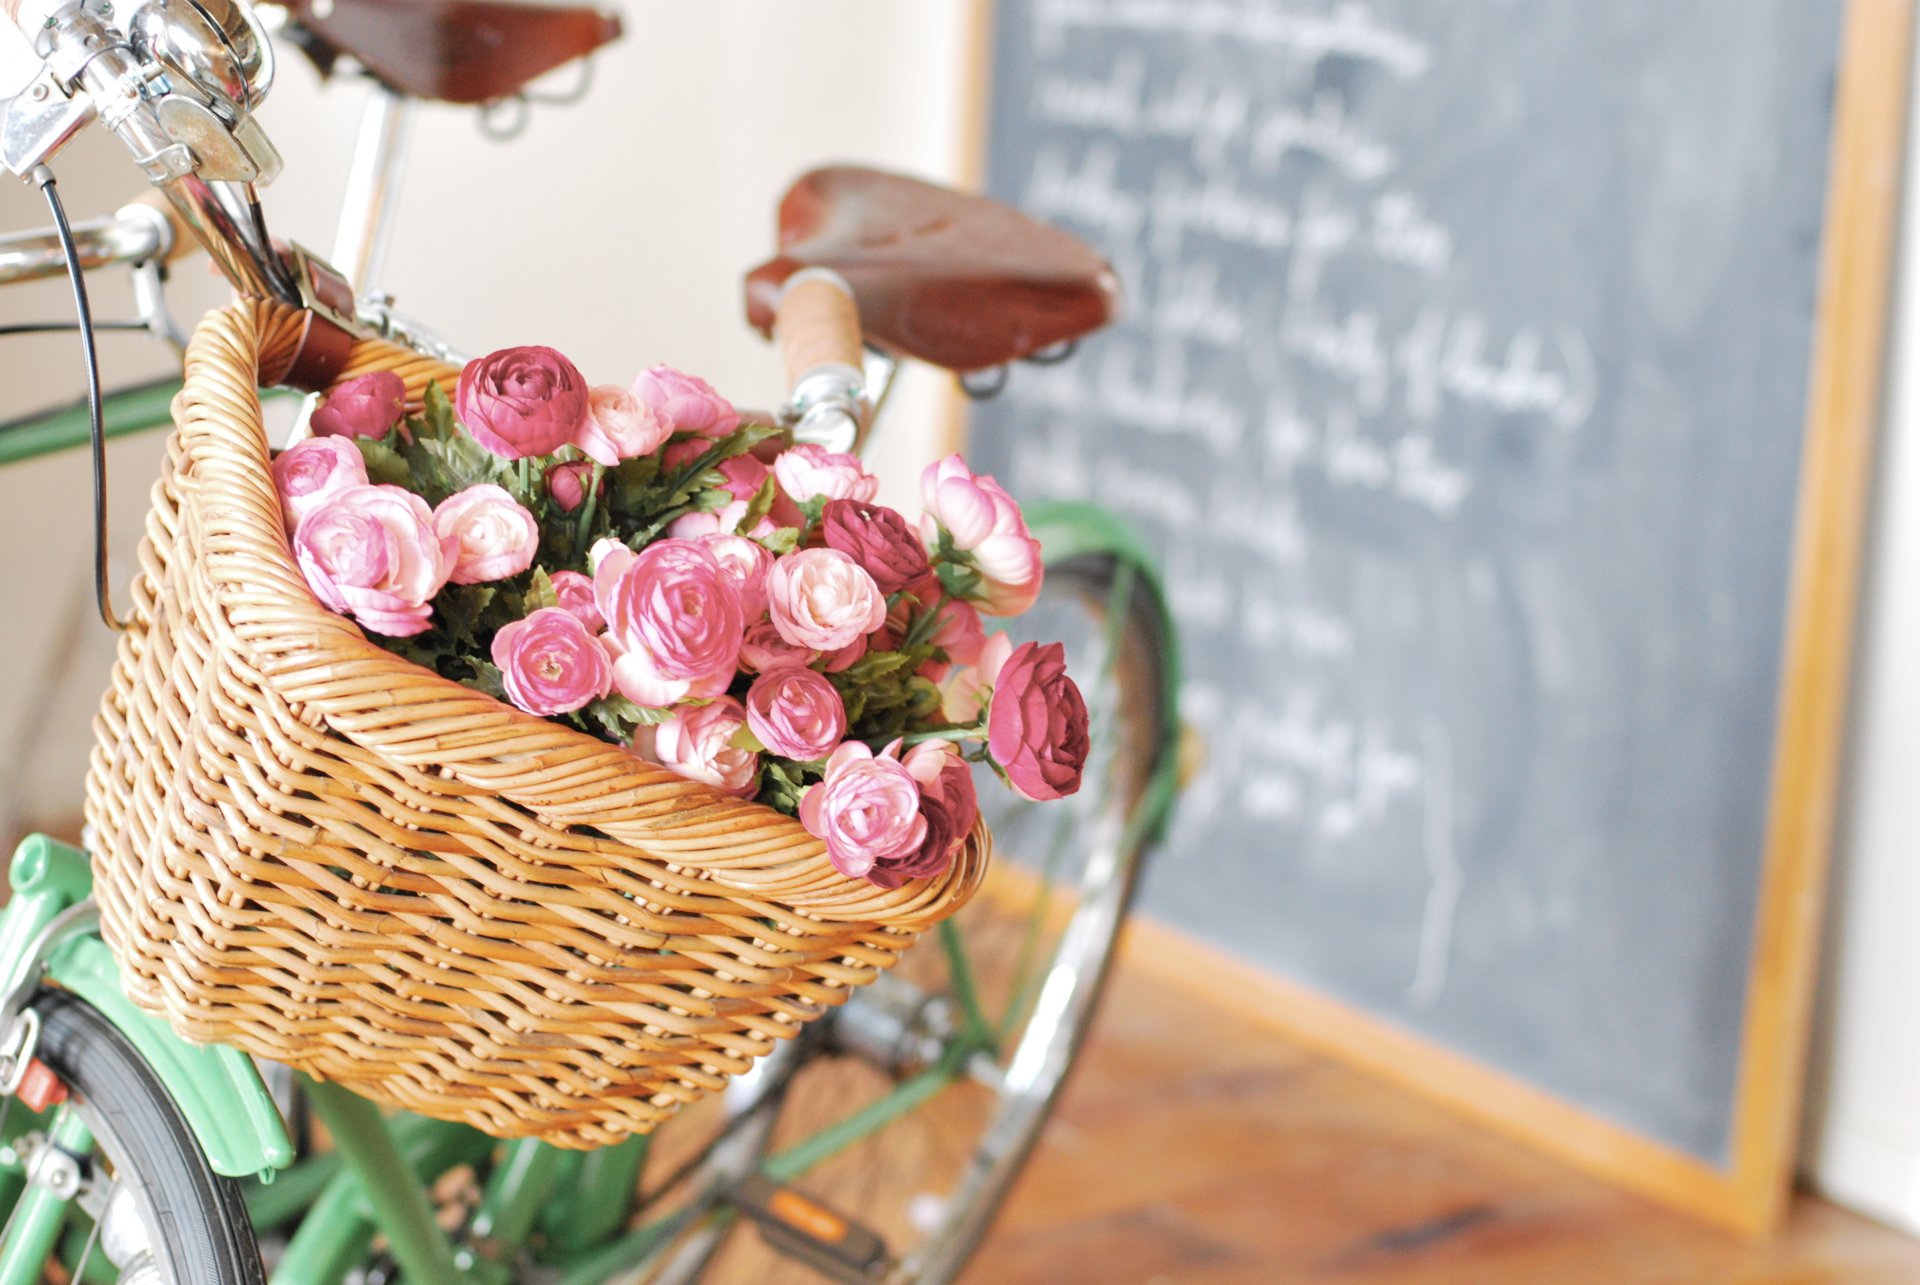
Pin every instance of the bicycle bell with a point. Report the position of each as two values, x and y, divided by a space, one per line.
217 64
216 48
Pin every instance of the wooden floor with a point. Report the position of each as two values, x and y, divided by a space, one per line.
1189 1151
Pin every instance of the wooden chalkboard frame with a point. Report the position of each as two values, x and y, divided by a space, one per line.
1751 1195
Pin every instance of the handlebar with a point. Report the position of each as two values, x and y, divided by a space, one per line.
145 231
817 328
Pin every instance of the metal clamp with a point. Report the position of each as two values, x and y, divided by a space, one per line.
829 408
20 1025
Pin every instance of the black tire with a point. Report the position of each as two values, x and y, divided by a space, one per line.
199 1217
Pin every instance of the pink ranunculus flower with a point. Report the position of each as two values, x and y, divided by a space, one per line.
763 648
1037 723
676 606
948 803
368 406
822 599
969 687
806 472
550 663
745 476
867 809
746 563
494 535
685 403
959 633
877 538
576 596
372 552
619 426
522 401
310 471
697 743
987 526
721 521
567 484
796 713
637 678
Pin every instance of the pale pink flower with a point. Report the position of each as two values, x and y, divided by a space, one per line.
965 697
746 563
685 403
949 805
619 426
867 810
372 552
309 471
697 743
550 663
806 472
796 713
763 648
494 536
576 596
986 525
674 605
823 599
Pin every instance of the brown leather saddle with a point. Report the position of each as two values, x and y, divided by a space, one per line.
960 281
451 51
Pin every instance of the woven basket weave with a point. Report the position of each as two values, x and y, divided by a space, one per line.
315 851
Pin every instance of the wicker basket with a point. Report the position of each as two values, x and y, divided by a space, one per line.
315 851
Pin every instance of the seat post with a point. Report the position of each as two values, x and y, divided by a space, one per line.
368 209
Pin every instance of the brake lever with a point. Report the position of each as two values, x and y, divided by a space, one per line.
38 121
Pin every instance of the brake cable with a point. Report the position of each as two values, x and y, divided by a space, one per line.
96 406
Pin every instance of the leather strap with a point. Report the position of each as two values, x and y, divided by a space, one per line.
327 338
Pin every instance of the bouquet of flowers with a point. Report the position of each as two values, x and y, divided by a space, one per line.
641 564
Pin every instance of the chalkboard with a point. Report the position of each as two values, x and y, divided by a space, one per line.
1465 393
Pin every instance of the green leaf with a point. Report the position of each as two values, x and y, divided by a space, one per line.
486 678
616 715
959 581
540 593
784 540
744 739
385 465
438 418
761 504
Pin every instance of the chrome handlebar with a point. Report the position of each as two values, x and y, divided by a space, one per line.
137 234
178 86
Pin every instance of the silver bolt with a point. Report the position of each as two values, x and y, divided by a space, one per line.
38 93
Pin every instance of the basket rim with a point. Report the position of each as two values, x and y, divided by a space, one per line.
325 666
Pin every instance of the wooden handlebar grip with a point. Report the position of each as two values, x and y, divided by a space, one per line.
816 325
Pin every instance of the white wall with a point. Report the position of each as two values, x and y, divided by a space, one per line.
615 230
1863 1136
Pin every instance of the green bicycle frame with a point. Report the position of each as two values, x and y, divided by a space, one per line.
375 1179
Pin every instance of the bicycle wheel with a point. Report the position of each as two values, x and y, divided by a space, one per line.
888 1118
164 1215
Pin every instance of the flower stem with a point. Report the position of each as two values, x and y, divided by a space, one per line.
587 507
966 733
924 623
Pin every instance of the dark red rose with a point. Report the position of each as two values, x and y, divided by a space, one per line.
877 538
522 401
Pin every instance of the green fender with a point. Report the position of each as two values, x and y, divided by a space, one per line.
1068 530
217 1088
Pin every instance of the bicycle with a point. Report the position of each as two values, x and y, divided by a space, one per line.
128 1153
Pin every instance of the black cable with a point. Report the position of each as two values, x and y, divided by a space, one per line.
96 403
